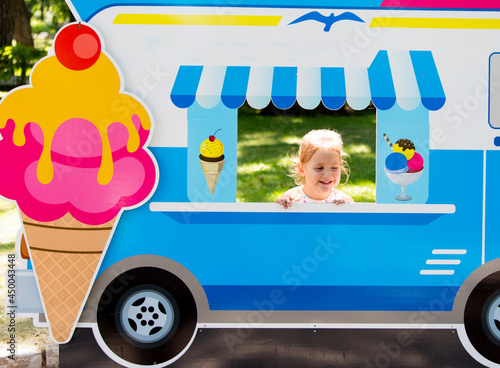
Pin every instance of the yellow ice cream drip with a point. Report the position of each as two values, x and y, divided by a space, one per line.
58 94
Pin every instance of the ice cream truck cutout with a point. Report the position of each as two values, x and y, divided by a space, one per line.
125 172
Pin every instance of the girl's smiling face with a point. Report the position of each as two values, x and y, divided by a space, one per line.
322 173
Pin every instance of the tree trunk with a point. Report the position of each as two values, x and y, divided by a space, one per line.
7 21
22 27
15 23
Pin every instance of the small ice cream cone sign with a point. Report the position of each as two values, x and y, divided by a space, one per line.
71 198
212 160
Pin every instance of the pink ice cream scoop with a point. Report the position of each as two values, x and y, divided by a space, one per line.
416 163
76 163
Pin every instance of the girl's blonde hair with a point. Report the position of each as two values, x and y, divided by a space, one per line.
311 142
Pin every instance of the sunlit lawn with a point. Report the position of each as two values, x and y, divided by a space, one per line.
266 142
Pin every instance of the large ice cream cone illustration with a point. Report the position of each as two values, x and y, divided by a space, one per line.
73 162
212 160
65 254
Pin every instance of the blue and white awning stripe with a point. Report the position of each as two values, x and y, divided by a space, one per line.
402 77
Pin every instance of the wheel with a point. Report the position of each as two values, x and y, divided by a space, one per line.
492 318
147 315
150 321
482 318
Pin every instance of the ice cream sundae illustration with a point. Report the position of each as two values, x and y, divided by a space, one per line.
212 160
403 166
73 155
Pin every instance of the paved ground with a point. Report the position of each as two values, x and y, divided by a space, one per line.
224 348
31 356
298 348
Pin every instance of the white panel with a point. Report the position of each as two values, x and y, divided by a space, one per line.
260 84
210 87
357 88
405 83
309 87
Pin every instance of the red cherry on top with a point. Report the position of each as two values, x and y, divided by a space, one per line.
77 46
212 137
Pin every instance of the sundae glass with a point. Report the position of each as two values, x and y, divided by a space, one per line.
403 179
403 166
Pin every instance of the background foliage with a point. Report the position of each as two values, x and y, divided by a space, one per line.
18 57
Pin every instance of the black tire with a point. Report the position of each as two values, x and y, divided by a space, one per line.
148 321
482 318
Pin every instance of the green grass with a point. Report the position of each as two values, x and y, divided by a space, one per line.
265 143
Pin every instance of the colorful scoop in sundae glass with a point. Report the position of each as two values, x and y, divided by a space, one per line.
73 156
403 166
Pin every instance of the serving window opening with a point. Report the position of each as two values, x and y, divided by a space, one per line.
268 137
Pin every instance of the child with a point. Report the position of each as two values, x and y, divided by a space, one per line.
317 170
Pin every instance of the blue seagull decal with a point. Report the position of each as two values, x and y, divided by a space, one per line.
327 20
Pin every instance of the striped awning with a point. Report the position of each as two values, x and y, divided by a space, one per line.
406 78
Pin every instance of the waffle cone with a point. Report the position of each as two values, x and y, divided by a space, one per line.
65 255
211 170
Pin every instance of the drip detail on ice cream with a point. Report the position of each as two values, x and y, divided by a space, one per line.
73 71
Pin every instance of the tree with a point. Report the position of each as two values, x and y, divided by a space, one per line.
17 58
22 26
15 23
7 21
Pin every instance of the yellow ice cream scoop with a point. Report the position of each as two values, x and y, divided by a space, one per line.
212 148
406 147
